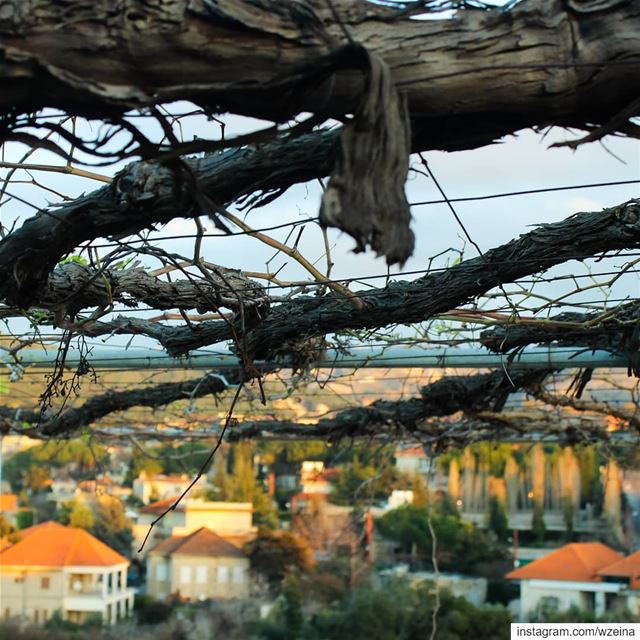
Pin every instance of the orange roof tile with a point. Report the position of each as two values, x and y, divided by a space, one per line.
52 545
202 542
21 534
628 567
578 562
8 502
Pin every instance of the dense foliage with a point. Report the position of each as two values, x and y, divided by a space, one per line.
396 610
276 554
460 546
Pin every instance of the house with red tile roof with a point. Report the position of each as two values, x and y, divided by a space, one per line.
198 566
56 568
587 575
231 520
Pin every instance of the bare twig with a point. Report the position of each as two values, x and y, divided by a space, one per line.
201 471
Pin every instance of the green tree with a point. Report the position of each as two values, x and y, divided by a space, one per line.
497 520
538 527
568 513
82 453
241 485
420 491
81 515
402 611
187 457
460 546
25 518
291 608
276 554
37 478
138 464
360 482
148 610
15 467
589 472
112 526
264 512
293 452
63 513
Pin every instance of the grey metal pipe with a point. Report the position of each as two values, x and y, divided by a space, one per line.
365 357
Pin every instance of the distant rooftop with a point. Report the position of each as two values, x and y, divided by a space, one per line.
202 542
577 562
410 452
52 545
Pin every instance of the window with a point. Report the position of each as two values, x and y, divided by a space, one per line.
238 575
185 575
201 575
223 574
161 572
44 582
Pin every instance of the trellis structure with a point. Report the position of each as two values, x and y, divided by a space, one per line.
94 90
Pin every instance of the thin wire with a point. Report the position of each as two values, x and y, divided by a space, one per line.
509 194
315 219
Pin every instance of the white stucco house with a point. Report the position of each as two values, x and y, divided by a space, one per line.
587 575
65 569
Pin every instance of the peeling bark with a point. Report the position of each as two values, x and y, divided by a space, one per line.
406 302
451 412
72 419
403 302
147 194
72 287
542 62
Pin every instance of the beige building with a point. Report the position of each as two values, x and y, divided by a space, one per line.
65 569
197 566
231 520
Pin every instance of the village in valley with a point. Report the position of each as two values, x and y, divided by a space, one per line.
280 534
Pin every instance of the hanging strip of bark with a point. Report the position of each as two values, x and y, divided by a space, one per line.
365 195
